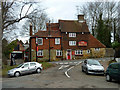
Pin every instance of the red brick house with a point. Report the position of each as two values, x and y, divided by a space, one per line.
67 39
17 56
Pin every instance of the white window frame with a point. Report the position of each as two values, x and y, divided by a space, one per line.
40 53
88 51
42 41
72 34
57 40
78 52
72 43
58 52
97 49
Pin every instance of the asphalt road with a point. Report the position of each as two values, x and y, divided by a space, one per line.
56 78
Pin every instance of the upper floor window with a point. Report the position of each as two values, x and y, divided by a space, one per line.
78 52
58 52
40 41
72 43
72 34
40 53
97 49
57 40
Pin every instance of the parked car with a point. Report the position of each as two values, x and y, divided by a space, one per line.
92 67
113 72
25 68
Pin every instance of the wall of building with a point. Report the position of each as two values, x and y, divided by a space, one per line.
98 54
93 54
109 52
46 44
79 36
45 57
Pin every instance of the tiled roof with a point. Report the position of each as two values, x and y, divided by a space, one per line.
46 34
73 26
94 43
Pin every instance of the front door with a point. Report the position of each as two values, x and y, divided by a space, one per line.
68 54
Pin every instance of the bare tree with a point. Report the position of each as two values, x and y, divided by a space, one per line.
38 21
15 11
92 10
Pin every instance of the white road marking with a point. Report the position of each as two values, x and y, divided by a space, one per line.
60 63
60 67
66 73
66 63
63 66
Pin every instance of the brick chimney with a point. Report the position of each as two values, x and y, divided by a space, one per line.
81 18
30 29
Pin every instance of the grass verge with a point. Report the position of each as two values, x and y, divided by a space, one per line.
5 68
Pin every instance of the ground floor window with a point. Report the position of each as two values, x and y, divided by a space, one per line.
88 51
58 52
78 52
40 53
97 49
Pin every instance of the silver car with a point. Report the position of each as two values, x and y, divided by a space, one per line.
92 67
25 68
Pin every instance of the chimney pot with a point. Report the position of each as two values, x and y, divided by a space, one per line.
81 18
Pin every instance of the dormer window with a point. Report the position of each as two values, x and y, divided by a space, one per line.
72 34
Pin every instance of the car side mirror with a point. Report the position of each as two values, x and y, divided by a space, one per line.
23 67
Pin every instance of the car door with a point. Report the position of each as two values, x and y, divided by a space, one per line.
25 68
114 72
32 67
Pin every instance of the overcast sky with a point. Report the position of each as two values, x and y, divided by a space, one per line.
62 9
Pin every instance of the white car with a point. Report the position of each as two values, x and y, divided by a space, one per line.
25 68
92 67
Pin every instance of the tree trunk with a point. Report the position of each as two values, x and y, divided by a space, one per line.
1 34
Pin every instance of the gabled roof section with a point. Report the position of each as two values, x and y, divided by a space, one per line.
73 26
53 33
94 43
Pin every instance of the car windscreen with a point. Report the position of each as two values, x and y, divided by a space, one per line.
93 62
19 66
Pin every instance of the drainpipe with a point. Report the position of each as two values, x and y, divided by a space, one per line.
36 48
49 40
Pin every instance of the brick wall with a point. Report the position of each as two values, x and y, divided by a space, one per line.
45 44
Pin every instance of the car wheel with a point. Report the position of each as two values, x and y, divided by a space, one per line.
17 74
87 71
82 69
38 70
108 78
